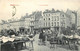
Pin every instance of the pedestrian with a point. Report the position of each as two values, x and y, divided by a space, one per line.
11 32
44 37
52 41
55 41
31 38
41 36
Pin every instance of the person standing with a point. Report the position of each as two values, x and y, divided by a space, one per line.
41 36
51 41
44 37
31 38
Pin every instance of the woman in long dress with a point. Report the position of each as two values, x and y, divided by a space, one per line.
41 36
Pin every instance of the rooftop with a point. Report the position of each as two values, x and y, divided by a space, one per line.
51 11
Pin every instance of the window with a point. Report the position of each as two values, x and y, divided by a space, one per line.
49 23
57 18
49 14
44 18
52 23
63 15
63 21
57 23
49 18
64 24
46 14
52 18
46 23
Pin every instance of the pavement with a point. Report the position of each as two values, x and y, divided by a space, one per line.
43 47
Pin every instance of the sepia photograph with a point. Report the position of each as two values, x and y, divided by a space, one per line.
39 25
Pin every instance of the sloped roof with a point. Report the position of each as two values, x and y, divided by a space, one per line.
50 11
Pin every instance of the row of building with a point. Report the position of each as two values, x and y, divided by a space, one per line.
48 19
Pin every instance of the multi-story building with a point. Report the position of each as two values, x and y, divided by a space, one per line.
25 22
5 25
78 18
73 16
49 19
55 19
35 17
14 25
38 16
17 25
40 23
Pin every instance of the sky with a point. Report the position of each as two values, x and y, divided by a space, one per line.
29 6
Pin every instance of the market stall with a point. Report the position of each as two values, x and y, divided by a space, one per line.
13 42
73 41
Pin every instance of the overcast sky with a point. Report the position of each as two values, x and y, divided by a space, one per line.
28 6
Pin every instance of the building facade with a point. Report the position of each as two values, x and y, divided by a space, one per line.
78 18
74 18
49 19
55 20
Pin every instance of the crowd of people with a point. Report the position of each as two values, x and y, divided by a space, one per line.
11 39
19 36
48 35
55 38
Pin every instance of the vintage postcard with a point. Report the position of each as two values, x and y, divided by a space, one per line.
39 25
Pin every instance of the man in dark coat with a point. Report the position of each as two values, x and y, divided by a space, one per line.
41 36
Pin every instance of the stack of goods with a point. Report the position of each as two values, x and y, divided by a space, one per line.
6 39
